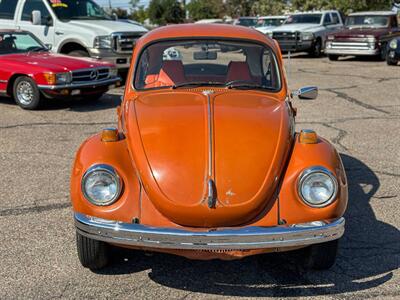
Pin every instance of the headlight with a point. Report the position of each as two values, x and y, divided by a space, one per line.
101 185
113 72
57 78
317 187
63 78
102 42
307 36
393 44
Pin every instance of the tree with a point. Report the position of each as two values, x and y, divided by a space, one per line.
202 9
268 7
164 12
120 13
342 5
237 8
140 14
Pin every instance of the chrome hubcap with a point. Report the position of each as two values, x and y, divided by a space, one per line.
25 93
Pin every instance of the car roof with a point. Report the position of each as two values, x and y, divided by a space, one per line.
12 30
191 31
373 13
272 17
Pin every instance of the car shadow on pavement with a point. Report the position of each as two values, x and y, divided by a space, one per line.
84 105
367 256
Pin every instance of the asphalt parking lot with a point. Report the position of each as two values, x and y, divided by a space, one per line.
358 110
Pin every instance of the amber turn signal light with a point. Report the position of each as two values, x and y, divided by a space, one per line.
109 135
50 78
308 137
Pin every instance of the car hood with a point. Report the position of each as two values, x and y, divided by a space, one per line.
360 32
175 151
265 29
297 27
53 62
107 26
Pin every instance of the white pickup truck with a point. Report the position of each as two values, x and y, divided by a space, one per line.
77 28
307 31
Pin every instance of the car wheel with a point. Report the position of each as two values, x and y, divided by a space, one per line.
79 53
26 93
382 54
391 61
92 254
316 49
321 256
333 57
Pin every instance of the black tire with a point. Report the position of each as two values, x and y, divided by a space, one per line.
321 256
391 61
78 53
333 57
26 93
382 54
92 254
316 50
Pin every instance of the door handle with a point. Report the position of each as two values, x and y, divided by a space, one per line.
59 33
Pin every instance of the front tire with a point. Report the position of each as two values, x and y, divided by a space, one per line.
321 256
316 50
333 57
92 254
391 61
26 93
78 53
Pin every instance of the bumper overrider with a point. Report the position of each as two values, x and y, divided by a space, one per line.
243 238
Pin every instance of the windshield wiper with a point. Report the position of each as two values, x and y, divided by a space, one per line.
242 84
196 83
38 49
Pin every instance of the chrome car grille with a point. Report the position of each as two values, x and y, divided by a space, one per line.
351 45
87 75
123 42
285 36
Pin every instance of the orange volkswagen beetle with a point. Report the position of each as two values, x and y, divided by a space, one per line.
206 162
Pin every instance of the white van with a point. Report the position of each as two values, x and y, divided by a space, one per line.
77 28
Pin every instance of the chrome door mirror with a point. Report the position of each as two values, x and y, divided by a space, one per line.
306 93
36 17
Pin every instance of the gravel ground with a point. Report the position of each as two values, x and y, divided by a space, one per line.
358 110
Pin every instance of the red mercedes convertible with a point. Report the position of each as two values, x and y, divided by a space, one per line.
30 73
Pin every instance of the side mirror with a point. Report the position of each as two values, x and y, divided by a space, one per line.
306 93
36 17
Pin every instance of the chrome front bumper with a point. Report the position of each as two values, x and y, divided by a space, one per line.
360 52
81 85
244 238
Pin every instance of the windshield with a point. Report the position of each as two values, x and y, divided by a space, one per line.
207 62
248 22
78 10
270 22
12 43
367 21
304 18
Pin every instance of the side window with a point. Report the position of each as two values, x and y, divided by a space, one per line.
7 9
327 19
335 18
30 6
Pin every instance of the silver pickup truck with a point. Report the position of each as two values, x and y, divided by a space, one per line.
307 31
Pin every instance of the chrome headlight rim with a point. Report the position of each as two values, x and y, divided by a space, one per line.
103 42
393 44
315 170
111 171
